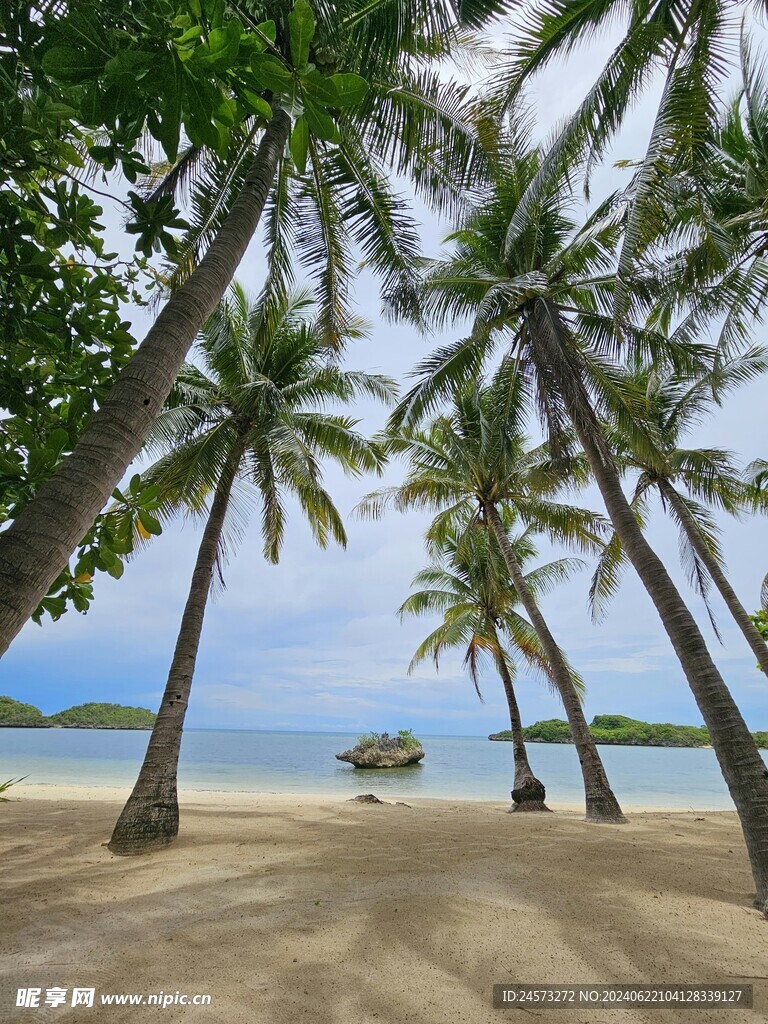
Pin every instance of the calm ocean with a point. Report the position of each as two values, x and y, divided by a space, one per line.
456 767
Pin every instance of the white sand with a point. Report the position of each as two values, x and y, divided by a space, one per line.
314 909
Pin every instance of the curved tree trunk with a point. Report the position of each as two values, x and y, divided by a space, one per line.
38 543
743 769
601 803
529 793
700 546
150 818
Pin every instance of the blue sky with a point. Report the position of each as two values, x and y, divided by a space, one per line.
314 643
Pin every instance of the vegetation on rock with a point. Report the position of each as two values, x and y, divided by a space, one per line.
380 750
404 738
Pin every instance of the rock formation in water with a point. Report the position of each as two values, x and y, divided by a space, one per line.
384 751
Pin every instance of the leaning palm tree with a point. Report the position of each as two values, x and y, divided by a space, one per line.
475 461
251 417
547 298
689 481
468 585
320 153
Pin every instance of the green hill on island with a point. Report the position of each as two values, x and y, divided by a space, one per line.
623 731
14 714
21 716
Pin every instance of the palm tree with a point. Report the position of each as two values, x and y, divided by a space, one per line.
689 481
467 583
475 462
756 479
251 417
687 43
412 123
548 297
709 231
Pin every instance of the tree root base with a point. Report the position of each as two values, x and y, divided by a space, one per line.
528 806
139 845
145 826
596 818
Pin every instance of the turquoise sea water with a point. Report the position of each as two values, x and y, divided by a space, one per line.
459 767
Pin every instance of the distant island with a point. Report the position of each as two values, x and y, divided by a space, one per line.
14 714
623 731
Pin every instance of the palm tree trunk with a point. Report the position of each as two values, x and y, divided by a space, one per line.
38 543
700 546
744 771
601 803
150 818
529 793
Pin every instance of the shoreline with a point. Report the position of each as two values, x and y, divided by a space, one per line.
54 791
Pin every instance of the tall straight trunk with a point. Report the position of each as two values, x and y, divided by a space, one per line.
601 803
700 546
150 818
529 793
38 543
743 769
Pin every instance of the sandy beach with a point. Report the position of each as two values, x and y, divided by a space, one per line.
311 909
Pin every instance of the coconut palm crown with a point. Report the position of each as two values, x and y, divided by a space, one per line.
266 391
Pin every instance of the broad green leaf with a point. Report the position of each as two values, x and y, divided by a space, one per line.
107 557
200 126
257 104
150 524
168 128
149 494
300 143
130 65
268 29
116 569
271 73
66 64
226 111
301 27
189 36
320 88
57 441
350 89
221 48
320 122
58 111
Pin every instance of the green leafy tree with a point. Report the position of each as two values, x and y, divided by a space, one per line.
63 337
467 584
204 75
530 280
689 481
250 416
475 462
